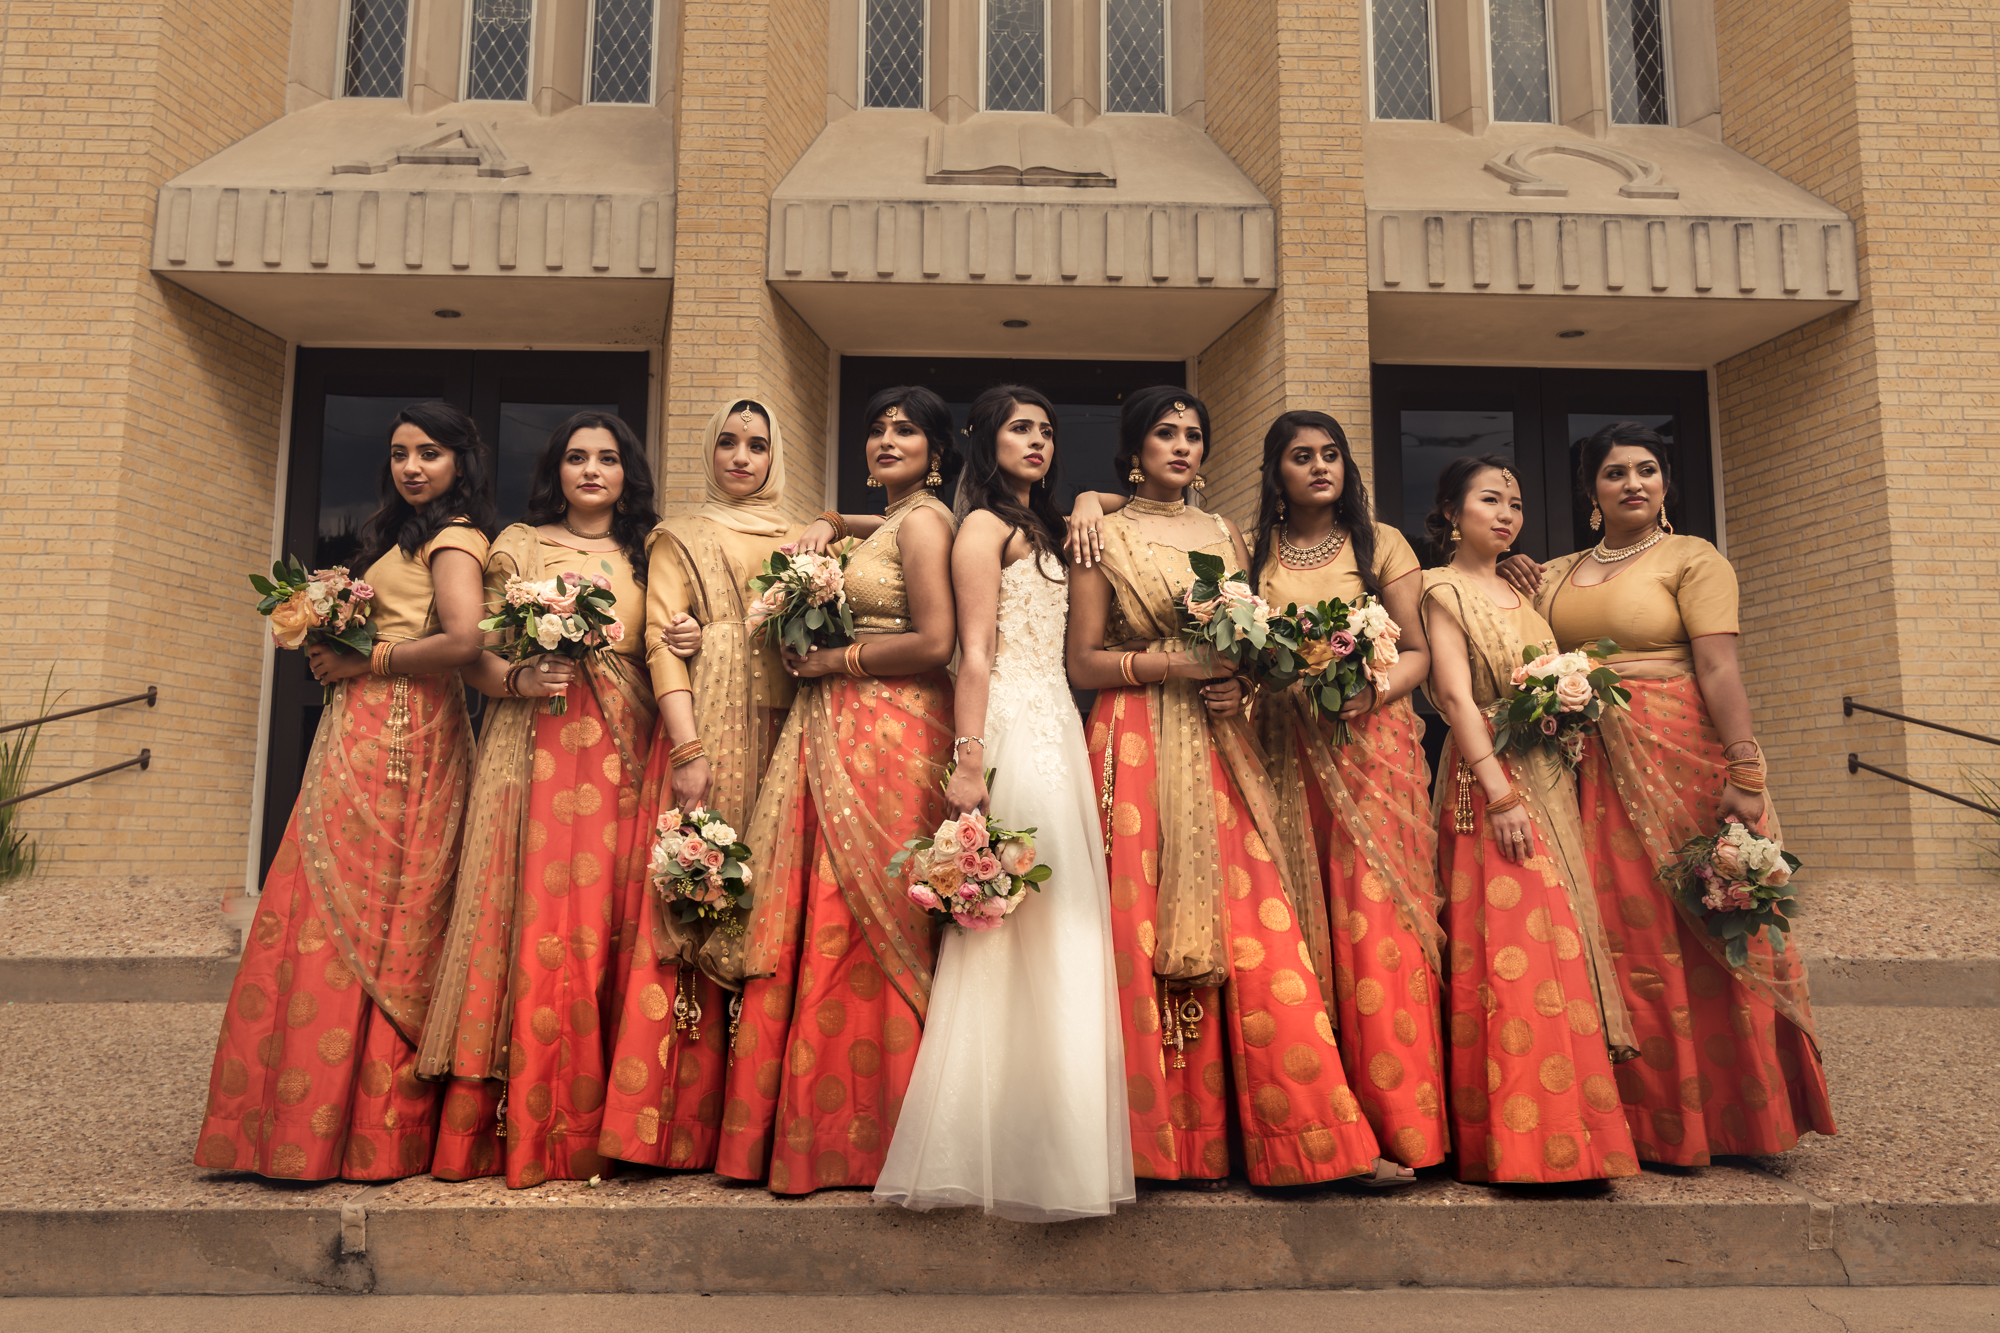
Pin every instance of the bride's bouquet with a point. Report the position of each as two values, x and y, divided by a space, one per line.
325 606
1344 649
970 872
1556 697
802 601
1223 617
569 615
700 869
1738 884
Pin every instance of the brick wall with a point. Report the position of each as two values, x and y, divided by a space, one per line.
139 480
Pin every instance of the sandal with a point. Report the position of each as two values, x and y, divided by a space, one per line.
1388 1176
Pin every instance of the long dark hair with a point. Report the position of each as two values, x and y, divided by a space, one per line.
467 501
632 518
982 485
1606 438
924 408
1141 412
1351 510
1453 483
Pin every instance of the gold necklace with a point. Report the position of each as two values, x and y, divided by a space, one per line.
1139 504
586 536
1310 557
1608 557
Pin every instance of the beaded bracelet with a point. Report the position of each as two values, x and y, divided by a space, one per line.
682 755
980 741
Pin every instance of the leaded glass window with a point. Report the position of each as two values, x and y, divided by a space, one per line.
1402 59
1135 55
496 50
1636 31
894 45
1016 38
621 51
377 37
1520 30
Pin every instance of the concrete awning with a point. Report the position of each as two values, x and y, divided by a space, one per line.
898 234
352 221
1662 246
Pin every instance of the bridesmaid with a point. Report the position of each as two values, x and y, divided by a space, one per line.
1536 1018
836 960
1367 803
719 719
315 1073
1728 1061
1216 988
519 1027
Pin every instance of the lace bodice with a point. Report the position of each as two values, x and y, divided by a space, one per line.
1030 693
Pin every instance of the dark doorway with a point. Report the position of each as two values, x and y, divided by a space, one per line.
1086 395
342 403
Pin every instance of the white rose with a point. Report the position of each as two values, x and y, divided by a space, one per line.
318 597
548 632
1572 664
718 833
1368 621
746 877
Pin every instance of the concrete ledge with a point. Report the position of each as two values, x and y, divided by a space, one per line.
1927 983
42 980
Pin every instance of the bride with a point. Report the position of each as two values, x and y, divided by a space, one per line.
1017 1103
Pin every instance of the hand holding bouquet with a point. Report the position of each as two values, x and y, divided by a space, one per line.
1220 616
1345 649
1556 696
970 872
802 601
569 615
1738 883
699 868
325 606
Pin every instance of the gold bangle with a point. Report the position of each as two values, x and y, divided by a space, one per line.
836 522
1127 670
378 659
686 753
853 660
512 681
1482 759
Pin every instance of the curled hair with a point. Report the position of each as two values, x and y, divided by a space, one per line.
1453 485
1351 511
1606 438
467 501
983 485
1141 412
632 518
926 410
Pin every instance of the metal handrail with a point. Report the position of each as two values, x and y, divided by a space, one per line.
142 762
1854 765
151 696
1848 708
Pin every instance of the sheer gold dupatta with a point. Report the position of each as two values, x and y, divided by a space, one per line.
1548 790
1190 914
471 1018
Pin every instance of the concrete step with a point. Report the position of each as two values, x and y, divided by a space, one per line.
1868 942
107 1099
98 939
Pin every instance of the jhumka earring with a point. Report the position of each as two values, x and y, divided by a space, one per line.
933 480
872 483
1455 539
1281 507
621 506
1596 518
1135 476
1665 525
1200 482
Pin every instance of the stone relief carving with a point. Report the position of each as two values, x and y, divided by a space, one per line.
456 143
1642 178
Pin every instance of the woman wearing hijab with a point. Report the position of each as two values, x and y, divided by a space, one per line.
720 714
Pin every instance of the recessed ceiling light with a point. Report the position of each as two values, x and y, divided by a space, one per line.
453 314
1571 333
1013 323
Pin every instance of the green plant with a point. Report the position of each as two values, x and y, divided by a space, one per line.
18 852
1985 855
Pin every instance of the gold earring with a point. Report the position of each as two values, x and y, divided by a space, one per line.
1596 518
1454 535
1200 482
1665 525
933 480
1281 508
1135 476
872 483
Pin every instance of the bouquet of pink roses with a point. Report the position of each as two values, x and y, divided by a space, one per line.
802 601
1737 883
569 615
1556 696
1344 649
1222 616
970 872
325 606
700 869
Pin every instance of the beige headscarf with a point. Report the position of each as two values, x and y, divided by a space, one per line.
759 514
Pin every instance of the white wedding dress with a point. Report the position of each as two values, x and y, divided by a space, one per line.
1017 1103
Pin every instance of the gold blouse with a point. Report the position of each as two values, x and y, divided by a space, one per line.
630 606
1340 577
1171 563
405 600
1495 646
876 592
671 591
1673 593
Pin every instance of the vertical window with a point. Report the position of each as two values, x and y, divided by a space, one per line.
1402 34
621 51
496 50
1016 66
893 52
1135 55
1520 33
377 36
1637 33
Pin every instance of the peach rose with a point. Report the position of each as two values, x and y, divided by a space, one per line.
291 620
1778 876
1017 856
945 879
1573 693
1316 654
1728 860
